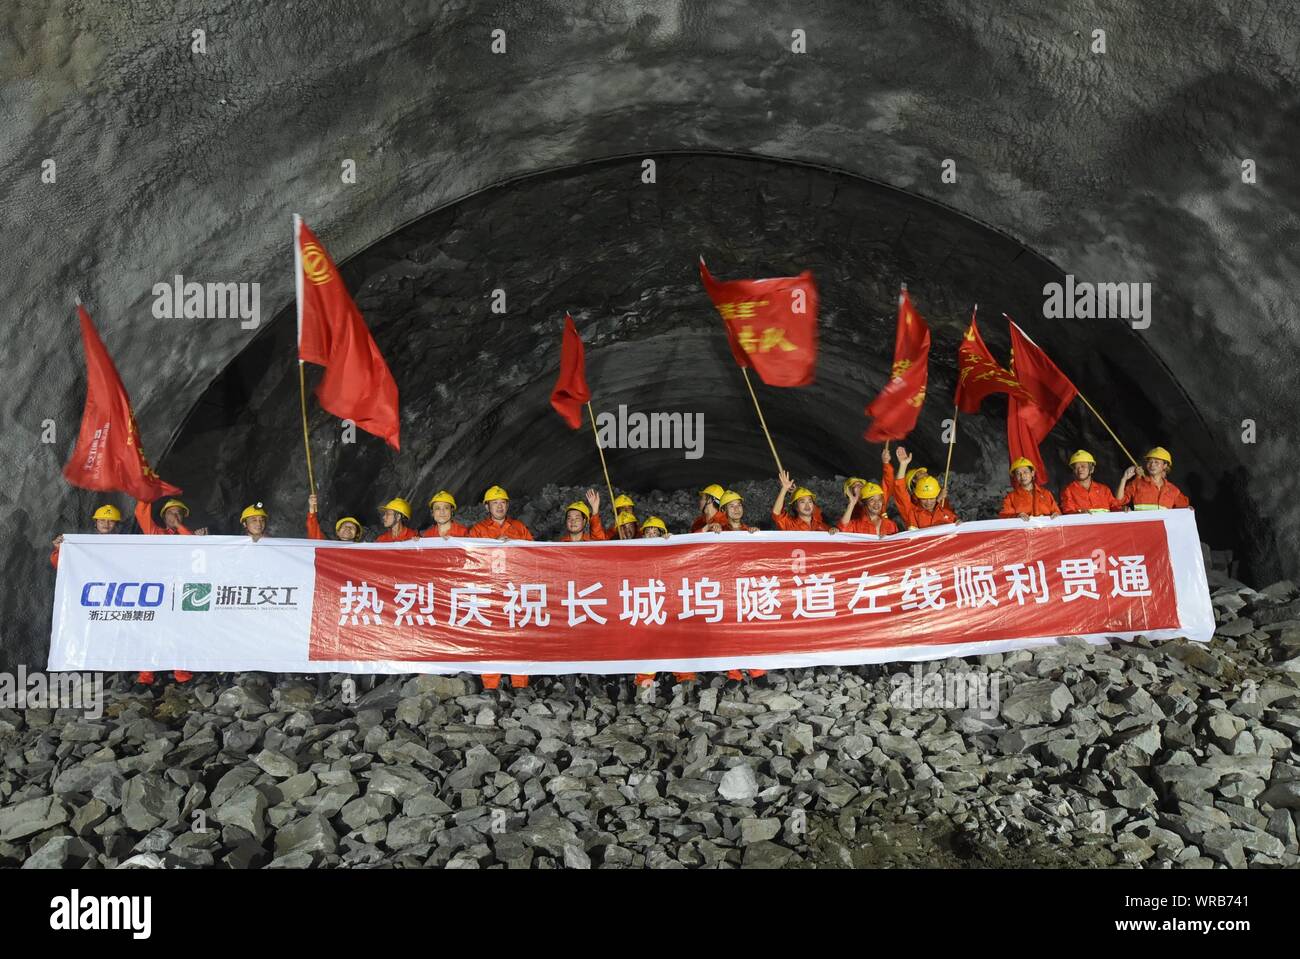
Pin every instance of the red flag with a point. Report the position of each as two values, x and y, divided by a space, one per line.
1050 392
357 385
771 324
571 390
978 374
108 456
895 410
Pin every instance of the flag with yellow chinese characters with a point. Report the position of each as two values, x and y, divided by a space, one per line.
893 413
978 374
771 324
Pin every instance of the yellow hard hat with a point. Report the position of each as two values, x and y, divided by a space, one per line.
656 522
254 510
624 517
494 493
850 481
173 502
871 489
912 475
580 507
108 511
398 505
729 497
622 501
1159 453
442 496
714 490
349 519
1019 463
1082 456
928 488
801 492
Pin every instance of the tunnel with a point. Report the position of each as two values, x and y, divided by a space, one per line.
620 255
1167 159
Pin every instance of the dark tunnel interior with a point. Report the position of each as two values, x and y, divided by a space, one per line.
622 259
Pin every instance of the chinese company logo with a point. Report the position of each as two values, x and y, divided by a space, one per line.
315 264
196 597
122 595
200 597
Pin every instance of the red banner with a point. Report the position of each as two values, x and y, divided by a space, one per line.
705 599
571 390
1050 392
332 333
895 410
771 324
108 456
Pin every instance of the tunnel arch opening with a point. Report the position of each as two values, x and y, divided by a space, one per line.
621 256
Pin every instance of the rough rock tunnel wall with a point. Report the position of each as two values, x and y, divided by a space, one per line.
1122 166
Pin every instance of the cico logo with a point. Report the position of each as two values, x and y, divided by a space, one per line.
122 595
196 597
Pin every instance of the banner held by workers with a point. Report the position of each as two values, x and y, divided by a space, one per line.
695 602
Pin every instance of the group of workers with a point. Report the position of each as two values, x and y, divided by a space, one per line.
918 498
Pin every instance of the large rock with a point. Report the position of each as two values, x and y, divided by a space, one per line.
245 809
1035 702
30 817
739 784
311 835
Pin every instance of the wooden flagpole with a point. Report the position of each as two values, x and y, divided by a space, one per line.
762 422
605 469
952 441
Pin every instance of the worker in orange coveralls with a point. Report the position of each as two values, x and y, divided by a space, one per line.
709 497
502 527
1085 494
348 529
107 519
733 513
1152 490
499 525
582 520
886 483
394 516
804 504
174 512
925 508
1027 498
874 522
442 506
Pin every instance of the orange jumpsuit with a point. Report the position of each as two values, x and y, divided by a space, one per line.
1097 498
1143 492
388 537
511 528
789 524
457 529
1034 502
917 516
313 527
864 525
702 521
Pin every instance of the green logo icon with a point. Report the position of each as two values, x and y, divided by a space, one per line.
196 597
